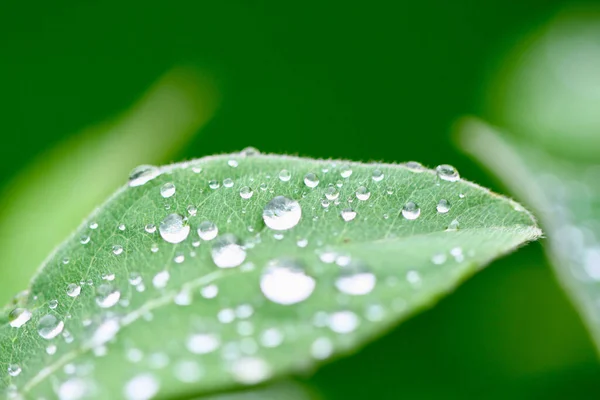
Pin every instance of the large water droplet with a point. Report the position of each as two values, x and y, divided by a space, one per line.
285 281
18 317
246 192
411 211
443 206
50 327
362 193
285 175
447 173
355 279
311 180
107 296
227 252
282 213
167 190
348 214
207 230
174 228
141 387
142 174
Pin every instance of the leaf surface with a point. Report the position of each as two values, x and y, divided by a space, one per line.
312 259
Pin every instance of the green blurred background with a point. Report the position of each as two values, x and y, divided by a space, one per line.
370 81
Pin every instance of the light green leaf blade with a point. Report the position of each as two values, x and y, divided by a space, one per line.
156 316
565 195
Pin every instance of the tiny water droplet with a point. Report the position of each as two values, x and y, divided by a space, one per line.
232 163
196 169
348 214
214 184
415 166
107 296
94 225
142 174
413 277
174 228
179 258
227 252
228 182
85 239
285 175
286 282
302 243
150 228
325 203
108 277
447 172
210 291
282 213
141 387
454 225
73 290
18 317
311 180
271 338
250 370
207 230
14 369
49 327
439 258
51 349
161 279
192 210
246 192
250 151
117 249
343 322
121 227
321 348
167 190
443 206
378 175
362 193
411 211
331 192
52 304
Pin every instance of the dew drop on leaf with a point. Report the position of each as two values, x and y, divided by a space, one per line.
345 171
141 387
331 192
311 180
73 290
174 228
161 279
167 190
447 172
343 321
228 182
282 213
321 348
207 230
355 279
227 252
142 174
49 327
14 369
286 282
250 370
107 296
362 193
246 192
348 214
18 317
284 175
443 206
378 175
411 211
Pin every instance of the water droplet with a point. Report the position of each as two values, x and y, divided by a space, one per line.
411 211
443 206
117 249
174 228
321 348
250 370
345 171
196 169
18 317
108 277
85 239
52 304
414 166
161 279
343 322
282 213
228 182
331 192
348 214
355 279
439 258
249 152
94 225
141 387
51 349
202 343
378 175
311 180
457 253
227 252
232 163
362 193
14 369
187 371
286 282
107 295
454 225
375 312
271 338
226 316
73 290
246 192
105 332
214 184
142 174
325 203
447 173
210 291
49 326
413 277
207 230
302 243
183 298
122 227
167 190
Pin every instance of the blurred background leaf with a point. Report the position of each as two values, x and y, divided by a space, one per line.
325 79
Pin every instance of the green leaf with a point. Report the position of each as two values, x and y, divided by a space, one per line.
565 194
312 259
